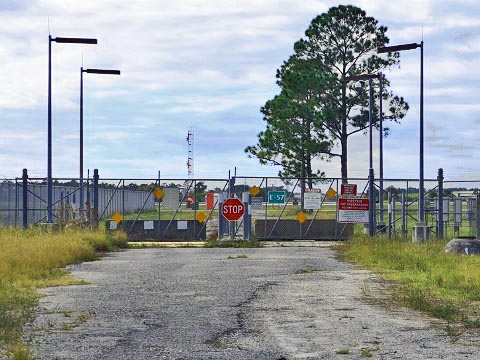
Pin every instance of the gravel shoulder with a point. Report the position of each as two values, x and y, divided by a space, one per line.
267 303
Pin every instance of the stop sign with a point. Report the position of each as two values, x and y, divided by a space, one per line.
233 209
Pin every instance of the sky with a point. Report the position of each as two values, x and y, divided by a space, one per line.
209 66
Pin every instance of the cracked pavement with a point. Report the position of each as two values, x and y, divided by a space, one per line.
264 303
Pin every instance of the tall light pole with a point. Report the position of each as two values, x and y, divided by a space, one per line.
89 71
380 144
371 177
421 190
63 40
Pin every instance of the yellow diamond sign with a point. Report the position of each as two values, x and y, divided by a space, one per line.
117 217
254 190
201 217
331 193
301 217
159 193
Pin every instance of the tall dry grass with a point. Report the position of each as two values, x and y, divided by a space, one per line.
35 258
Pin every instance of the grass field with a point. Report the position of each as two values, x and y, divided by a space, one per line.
444 285
35 258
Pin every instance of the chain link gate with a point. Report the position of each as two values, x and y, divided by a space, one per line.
177 210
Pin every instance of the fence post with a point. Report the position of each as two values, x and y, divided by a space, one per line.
390 211
222 222
371 212
95 199
440 230
247 217
231 224
25 197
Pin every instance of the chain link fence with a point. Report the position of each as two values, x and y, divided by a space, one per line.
278 208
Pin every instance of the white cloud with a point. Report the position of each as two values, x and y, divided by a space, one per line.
201 63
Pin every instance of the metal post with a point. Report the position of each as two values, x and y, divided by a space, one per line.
394 206
371 214
49 138
371 191
247 217
81 139
421 190
404 214
123 197
440 229
390 213
380 79
231 224
370 114
95 198
159 207
266 209
25 197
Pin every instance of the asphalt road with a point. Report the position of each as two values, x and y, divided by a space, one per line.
267 303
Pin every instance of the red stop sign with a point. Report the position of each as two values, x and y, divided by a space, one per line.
233 209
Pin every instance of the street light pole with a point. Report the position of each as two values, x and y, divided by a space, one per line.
49 136
80 181
421 190
371 176
380 80
90 71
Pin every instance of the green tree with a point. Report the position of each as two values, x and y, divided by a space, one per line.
392 190
200 187
344 40
294 136
339 43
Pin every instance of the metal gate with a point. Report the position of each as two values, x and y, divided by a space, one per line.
182 210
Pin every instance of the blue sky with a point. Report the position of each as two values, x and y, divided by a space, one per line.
210 65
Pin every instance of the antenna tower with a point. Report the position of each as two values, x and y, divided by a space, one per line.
190 139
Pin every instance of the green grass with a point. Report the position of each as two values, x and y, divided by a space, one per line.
444 285
304 271
182 214
35 258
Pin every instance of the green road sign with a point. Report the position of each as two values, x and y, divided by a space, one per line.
276 197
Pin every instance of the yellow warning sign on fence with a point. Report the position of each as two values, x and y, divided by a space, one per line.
201 217
301 217
117 217
159 193
254 190
331 193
